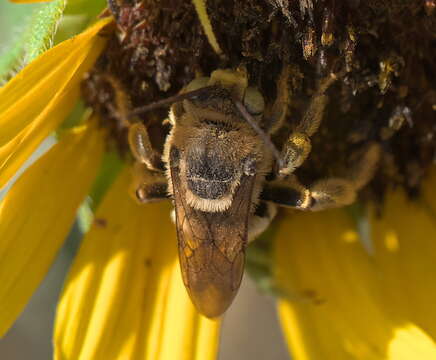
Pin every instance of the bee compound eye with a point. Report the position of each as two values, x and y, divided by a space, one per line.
197 83
253 101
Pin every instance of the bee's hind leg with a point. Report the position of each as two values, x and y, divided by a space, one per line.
326 193
148 186
323 194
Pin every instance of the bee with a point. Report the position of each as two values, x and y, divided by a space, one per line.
226 177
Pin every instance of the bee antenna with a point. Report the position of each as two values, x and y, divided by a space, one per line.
170 100
266 139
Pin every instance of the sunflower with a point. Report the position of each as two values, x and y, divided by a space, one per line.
350 283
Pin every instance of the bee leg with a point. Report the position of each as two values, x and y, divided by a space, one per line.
325 193
276 115
286 192
141 148
336 192
260 220
148 186
298 146
121 106
138 138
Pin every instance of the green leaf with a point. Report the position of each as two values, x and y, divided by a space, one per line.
259 262
43 28
80 7
13 19
85 216
111 166
34 34
78 15
76 116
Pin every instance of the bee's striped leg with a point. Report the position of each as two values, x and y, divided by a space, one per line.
287 192
260 220
328 193
336 192
325 193
331 193
148 186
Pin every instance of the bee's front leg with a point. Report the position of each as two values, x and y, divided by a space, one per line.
148 186
141 148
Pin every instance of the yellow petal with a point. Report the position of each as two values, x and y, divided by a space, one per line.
405 251
44 80
124 297
410 342
15 152
335 306
37 213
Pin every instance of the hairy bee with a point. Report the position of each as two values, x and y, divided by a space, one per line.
216 162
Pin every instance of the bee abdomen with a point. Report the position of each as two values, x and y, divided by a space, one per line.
209 189
208 176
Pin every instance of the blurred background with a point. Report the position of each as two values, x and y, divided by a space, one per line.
250 329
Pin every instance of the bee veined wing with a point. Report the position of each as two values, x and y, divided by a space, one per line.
212 247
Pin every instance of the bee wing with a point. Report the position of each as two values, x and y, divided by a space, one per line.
212 246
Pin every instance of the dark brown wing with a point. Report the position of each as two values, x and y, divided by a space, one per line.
212 246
